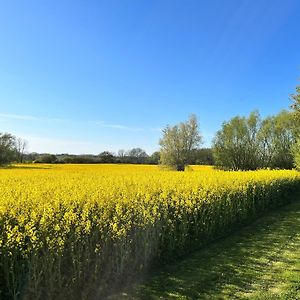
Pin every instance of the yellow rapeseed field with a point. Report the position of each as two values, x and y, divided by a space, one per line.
68 226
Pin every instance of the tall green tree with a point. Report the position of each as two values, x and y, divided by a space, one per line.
7 148
296 101
178 143
285 136
251 143
296 107
235 146
277 137
296 154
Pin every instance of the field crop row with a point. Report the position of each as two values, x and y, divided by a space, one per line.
82 231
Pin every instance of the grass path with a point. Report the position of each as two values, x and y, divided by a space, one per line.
261 261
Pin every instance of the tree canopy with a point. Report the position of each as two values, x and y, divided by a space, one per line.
296 100
248 143
7 148
296 107
235 145
178 143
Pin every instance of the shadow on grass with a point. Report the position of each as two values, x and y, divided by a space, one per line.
260 261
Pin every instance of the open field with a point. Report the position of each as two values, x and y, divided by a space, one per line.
83 231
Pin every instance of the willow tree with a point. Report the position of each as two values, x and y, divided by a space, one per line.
281 134
249 143
296 106
235 145
178 143
296 101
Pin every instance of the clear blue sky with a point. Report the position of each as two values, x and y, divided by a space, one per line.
87 76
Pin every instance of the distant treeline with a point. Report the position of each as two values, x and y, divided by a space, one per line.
13 150
134 156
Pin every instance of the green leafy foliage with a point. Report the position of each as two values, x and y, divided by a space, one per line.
296 106
252 143
296 101
7 148
178 143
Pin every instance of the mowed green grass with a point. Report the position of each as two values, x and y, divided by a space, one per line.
261 261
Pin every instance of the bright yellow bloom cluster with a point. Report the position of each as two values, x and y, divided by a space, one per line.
94 215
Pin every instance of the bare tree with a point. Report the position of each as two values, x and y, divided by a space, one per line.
121 153
20 146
